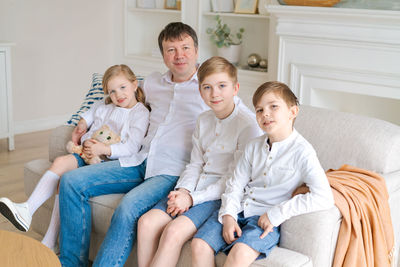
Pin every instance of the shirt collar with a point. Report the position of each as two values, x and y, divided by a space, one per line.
283 143
167 76
234 112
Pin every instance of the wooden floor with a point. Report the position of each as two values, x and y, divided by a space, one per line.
27 147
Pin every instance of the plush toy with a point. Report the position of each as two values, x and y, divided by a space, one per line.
104 135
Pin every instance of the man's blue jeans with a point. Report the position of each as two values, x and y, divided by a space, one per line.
79 185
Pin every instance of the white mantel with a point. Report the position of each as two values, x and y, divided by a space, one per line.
338 58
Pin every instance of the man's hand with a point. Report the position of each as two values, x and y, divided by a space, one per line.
230 227
179 201
265 224
79 131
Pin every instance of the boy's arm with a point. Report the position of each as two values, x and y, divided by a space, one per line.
215 190
232 198
138 124
189 177
320 196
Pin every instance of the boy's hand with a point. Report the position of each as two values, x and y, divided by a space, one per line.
79 131
265 224
179 201
230 227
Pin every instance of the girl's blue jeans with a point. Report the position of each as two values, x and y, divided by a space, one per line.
79 185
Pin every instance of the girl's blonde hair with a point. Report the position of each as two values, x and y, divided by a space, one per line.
216 65
128 73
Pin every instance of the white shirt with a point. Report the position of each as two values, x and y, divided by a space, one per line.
129 123
217 145
174 110
264 180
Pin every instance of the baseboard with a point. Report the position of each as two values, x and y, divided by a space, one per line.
29 126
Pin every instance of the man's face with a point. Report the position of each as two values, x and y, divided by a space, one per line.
180 56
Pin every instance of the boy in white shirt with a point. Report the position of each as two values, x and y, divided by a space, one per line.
258 198
218 140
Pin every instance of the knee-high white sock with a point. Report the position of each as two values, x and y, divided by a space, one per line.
50 238
43 190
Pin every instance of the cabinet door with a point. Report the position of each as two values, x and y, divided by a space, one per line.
3 97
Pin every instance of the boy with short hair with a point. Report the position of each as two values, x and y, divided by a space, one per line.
258 198
218 140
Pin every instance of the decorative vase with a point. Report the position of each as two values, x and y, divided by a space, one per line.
231 53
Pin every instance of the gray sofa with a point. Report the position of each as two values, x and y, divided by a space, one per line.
306 240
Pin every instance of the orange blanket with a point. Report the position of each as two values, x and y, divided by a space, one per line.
366 234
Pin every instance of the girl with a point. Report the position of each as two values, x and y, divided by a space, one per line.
124 112
218 139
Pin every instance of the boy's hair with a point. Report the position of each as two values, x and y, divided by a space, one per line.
175 31
216 65
128 73
277 88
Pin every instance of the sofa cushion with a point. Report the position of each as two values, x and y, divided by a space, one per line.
343 138
95 94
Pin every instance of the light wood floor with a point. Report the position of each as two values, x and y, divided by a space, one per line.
27 147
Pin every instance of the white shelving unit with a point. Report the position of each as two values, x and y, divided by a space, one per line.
142 27
6 119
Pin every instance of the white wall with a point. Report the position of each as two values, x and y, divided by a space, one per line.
58 45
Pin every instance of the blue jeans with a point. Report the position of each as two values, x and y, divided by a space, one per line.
79 185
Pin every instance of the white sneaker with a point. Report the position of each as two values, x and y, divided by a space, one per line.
17 213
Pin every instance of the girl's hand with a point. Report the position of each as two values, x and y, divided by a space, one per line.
230 227
79 131
179 202
98 148
86 148
265 224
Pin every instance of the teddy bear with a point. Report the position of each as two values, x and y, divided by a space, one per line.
104 135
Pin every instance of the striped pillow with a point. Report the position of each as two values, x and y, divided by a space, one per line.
95 94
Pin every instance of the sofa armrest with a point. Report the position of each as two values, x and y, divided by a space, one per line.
313 234
58 140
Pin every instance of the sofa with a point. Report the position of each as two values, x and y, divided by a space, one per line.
306 240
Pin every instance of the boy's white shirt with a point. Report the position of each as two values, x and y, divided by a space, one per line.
129 123
264 180
217 145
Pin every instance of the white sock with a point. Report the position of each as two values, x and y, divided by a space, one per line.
43 190
50 238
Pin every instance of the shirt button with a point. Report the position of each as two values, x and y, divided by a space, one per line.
251 192
270 157
253 199
247 204
222 147
265 185
265 173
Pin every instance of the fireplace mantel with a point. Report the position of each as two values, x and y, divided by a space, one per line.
339 58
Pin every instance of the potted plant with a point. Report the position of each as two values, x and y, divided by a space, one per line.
228 44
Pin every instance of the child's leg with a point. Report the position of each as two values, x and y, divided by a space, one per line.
241 255
202 253
50 238
49 181
180 230
207 242
20 214
150 228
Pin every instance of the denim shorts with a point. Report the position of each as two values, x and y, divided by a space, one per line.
79 160
198 214
211 232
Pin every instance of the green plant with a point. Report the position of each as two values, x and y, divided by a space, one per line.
221 35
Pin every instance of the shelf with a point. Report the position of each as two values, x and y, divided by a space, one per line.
154 10
236 15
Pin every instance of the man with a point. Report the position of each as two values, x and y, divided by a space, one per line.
151 174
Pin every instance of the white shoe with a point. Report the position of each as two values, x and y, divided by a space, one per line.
17 213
